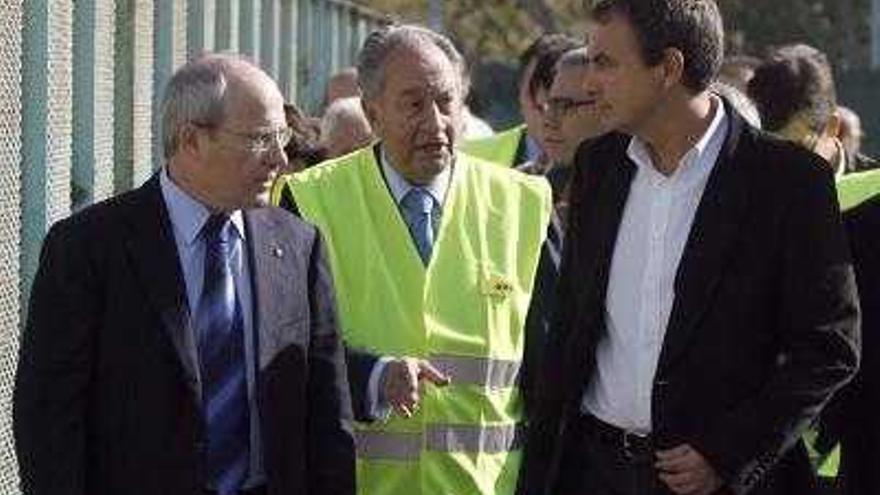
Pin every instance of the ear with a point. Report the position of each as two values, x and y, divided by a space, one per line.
188 140
371 111
672 67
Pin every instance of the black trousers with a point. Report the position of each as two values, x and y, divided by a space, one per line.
260 490
600 459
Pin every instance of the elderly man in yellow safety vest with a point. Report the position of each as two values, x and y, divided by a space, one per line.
436 256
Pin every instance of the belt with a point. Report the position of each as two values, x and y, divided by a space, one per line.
629 445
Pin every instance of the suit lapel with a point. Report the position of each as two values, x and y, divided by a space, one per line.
150 243
273 261
590 258
718 219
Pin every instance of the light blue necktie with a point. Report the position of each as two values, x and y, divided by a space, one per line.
418 206
220 333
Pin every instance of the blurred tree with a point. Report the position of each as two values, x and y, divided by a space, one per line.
501 29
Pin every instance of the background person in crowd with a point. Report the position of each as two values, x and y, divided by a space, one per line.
739 101
344 127
525 143
570 118
738 70
435 257
850 134
182 338
697 336
794 91
304 149
343 84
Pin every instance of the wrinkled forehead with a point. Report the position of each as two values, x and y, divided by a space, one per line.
420 66
254 99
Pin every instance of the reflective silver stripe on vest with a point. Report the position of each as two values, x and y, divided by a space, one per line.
386 445
490 373
379 445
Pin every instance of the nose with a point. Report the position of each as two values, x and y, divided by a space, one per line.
434 119
589 82
276 156
552 119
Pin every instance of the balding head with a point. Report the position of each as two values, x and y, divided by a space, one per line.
224 132
344 127
199 92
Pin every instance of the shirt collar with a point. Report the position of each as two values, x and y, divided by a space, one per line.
705 150
534 152
188 215
399 186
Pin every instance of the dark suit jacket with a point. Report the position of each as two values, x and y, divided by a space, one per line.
854 414
107 397
764 324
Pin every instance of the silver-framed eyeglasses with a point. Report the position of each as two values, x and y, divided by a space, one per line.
559 107
258 142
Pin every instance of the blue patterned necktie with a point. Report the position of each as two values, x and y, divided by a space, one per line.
418 206
220 333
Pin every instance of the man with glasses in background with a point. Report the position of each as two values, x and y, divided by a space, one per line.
181 338
569 119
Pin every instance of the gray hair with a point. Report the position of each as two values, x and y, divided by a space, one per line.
380 43
577 58
740 102
196 94
341 111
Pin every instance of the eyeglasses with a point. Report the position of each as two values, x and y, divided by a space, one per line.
260 142
560 107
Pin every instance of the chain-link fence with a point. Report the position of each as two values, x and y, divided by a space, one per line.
79 80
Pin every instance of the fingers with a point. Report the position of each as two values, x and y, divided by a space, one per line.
678 460
428 372
400 383
686 472
682 483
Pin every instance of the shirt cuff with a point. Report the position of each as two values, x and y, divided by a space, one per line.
377 408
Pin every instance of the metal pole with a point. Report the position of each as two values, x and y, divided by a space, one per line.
435 15
875 34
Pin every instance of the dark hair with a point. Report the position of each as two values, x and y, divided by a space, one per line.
694 27
794 78
545 51
304 149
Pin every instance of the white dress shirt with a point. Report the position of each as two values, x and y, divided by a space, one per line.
188 216
655 226
399 187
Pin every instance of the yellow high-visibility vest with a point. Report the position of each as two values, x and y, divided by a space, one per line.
498 148
854 189
465 312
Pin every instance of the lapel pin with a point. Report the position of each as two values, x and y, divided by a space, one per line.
277 251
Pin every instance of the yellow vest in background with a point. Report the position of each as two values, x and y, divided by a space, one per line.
854 189
498 148
465 312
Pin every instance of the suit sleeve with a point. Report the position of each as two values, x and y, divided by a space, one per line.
331 441
54 369
546 403
818 333
360 367
541 307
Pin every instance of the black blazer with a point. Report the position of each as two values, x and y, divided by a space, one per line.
107 396
764 324
854 414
